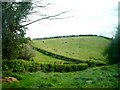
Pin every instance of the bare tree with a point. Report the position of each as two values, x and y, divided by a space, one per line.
41 5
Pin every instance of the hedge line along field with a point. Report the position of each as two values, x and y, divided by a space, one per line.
96 77
44 59
20 65
71 60
82 48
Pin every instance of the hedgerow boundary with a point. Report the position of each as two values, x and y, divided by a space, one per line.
19 65
89 62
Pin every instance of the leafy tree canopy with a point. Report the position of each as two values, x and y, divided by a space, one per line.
13 14
114 49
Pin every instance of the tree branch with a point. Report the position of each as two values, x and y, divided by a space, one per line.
41 6
43 18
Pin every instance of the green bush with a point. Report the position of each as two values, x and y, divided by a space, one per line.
15 65
31 66
70 67
27 52
113 51
47 67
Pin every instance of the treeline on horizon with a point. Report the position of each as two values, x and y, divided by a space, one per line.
71 36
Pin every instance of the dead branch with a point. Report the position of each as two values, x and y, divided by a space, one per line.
47 17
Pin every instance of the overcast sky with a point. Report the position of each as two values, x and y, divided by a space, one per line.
85 17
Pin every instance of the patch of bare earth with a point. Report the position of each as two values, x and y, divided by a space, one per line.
8 79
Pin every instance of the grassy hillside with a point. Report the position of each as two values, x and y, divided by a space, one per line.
82 48
43 59
97 77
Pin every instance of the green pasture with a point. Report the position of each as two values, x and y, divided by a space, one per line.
44 59
82 48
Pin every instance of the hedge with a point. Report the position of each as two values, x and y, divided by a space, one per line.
31 66
70 67
90 62
67 36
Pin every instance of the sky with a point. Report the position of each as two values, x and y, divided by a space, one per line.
99 17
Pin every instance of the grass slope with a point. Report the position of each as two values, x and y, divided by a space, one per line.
82 48
97 77
43 59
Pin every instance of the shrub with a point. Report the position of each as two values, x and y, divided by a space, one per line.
15 65
20 65
70 67
113 51
34 66
31 66
27 52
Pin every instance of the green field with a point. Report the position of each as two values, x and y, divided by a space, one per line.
43 59
97 77
82 48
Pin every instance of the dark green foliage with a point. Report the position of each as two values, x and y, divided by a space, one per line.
33 66
69 62
113 51
70 67
20 66
15 65
13 14
47 67
30 66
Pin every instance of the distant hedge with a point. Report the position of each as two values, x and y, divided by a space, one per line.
31 66
106 37
90 62
70 36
